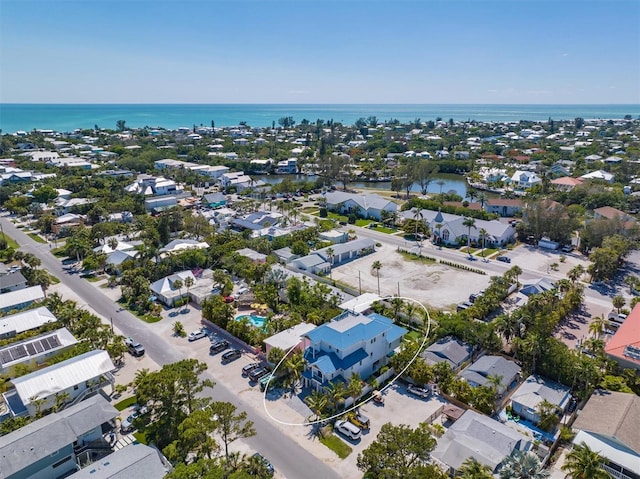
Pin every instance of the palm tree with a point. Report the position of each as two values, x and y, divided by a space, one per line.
472 469
112 243
469 223
330 252
354 388
618 302
177 284
575 273
584 463
515 271
294 366
336 392
377 266
548 413
522 465
317 402
188 282
597 326
440 183
483 237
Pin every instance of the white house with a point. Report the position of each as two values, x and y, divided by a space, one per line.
289 166
449 229
525 179
154 186
367 206
599 175
166 291
350 343
180 245
31 319
293 337
75 378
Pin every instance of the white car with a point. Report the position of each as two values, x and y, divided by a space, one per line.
348 429
197 334
421 392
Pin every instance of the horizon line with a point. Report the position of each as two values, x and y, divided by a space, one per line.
325 104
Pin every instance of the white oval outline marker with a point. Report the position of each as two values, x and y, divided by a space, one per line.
355 406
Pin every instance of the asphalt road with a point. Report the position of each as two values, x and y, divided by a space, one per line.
287 456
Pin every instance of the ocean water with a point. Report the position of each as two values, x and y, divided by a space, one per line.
66 117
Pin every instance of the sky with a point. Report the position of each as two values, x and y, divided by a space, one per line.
330 51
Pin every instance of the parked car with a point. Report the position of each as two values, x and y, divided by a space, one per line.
616 317
250 367
266 462
258 373
358 419
197 334
504 259
218 346
231 355
228 299
347 429
420 392
567 249
135 348
127 425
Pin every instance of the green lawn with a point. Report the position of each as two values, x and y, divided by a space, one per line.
488 252
140 437
36 237
337 445
415 257
363 223
10 242
469 250
125 403
384 229
53 279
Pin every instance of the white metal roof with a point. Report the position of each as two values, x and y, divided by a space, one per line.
31 319
13 298
61 376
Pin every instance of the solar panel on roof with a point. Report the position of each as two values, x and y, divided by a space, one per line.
45 344
54 341
38 347
31 348
19 352
5 357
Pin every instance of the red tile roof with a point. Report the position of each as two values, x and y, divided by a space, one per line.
627 335
567 181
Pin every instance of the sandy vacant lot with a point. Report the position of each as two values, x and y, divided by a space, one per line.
435 285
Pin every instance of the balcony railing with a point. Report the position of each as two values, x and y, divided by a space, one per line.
615 473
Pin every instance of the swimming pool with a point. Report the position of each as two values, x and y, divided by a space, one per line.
257 321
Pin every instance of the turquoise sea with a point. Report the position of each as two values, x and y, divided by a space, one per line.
63 117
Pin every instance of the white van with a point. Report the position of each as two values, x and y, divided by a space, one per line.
350 430
616 317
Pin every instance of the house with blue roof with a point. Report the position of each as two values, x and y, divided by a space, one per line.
351 343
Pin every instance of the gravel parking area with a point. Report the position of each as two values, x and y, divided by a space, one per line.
400 407
436 285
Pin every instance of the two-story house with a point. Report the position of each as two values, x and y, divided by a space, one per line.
350 343
51 447
68 381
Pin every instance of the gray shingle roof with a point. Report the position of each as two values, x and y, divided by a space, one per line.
133 461
43 437
486 366
480 437
449 349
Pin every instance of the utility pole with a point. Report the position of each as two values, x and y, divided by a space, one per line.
398 289
359 282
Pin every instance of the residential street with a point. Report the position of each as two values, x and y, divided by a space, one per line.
288 457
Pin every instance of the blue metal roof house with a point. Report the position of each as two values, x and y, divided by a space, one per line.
350 343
